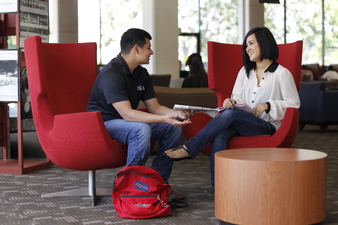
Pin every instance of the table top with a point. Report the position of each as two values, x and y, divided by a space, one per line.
271 154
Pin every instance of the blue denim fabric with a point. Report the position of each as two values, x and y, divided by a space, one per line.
138 137
230 123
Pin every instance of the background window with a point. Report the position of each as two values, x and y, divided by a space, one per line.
200 21
108 21
304 21
331 32
209 20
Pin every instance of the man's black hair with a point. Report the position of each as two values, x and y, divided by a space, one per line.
132 37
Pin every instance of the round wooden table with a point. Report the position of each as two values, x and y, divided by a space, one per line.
270 186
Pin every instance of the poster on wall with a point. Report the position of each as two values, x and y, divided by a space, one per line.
9 79
8 6
33 20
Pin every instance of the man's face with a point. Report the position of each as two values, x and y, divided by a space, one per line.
145 52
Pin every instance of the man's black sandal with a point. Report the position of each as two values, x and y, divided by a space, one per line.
177 148
174 203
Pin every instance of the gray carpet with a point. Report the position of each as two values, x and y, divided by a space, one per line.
20 201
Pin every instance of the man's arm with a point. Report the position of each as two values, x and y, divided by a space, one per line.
163 114
154 107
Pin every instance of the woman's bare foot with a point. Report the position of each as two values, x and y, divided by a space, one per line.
178 153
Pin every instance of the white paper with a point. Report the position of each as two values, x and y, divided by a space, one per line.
9 78
8 6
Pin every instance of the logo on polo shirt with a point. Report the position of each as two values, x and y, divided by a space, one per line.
140 88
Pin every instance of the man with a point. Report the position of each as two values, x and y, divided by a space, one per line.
119 87
330 74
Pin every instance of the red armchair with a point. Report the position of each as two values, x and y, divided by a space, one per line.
224 63
60 78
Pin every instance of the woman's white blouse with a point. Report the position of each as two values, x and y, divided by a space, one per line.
276 87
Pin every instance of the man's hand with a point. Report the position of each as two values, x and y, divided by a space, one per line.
186 114
173 120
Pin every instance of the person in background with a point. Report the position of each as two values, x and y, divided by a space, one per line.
330 74
116 93
263 84
183 73
306 74
197 75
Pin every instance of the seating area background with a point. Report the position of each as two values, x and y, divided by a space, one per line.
316 70
319 98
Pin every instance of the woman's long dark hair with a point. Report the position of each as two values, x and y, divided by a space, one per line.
197 71
267 44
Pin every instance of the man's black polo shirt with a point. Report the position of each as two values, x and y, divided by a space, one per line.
115 83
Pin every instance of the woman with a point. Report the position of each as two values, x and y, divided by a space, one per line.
197 75
267 87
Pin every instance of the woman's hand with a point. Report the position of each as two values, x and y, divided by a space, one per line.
229 103
259 108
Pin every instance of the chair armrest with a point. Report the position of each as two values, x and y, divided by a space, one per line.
318 104
309 99
328 106
88 142
73 122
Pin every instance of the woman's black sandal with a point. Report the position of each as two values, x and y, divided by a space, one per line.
177 148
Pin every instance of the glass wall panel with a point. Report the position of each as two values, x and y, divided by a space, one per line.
89 23
116 18
215 20
331 32
188 45
304 20
274 20
219 22
188 24
107 24
188 16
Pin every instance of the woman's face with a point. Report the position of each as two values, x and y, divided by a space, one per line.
252 48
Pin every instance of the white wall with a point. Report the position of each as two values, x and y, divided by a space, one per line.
160 20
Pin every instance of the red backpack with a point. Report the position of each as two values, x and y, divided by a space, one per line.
139 193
